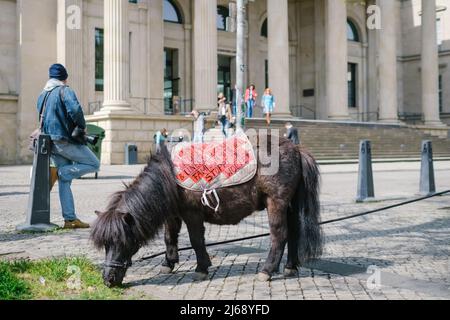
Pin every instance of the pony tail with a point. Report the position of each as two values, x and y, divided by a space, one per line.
310 245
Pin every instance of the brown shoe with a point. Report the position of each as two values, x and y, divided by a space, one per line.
76 224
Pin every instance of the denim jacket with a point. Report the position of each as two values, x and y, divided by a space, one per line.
60 117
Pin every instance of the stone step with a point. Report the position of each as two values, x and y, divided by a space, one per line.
331 140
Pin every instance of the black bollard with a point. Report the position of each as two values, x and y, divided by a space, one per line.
366 188
427 182
38 211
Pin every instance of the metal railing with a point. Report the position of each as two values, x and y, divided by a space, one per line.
152 106
411 117
365 116
147 106
445 115
304 112
94 106
180 106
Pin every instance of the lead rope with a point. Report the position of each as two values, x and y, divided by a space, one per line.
205 200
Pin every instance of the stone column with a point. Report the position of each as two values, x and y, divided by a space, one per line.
387 62
116 57
373 92
187 85
155 56
336 59
70 43
278 41
136 70
320 59
36 21
254 56
240 61
205 54
430 64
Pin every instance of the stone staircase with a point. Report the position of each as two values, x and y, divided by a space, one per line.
340 140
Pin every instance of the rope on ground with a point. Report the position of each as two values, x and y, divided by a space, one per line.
322 223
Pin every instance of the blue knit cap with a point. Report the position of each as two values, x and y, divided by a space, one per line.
57 71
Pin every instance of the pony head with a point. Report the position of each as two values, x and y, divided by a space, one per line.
135 215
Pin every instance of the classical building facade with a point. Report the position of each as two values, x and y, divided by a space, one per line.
137 66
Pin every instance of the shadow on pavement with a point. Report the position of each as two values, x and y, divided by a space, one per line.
7 194
344 267
413 230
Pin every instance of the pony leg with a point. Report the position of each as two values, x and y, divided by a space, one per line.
279 233
293 262
172 230
196 231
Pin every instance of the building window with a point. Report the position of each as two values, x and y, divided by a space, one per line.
171 12
264 30
99 58
224 77
222 16
266 71
133 1
351 74
171 79
441 95
352 32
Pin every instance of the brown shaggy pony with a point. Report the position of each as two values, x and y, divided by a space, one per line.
135 215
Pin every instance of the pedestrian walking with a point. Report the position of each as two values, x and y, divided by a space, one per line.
250 100
268 104
199 126
225 114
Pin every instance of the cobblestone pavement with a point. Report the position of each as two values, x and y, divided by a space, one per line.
406 249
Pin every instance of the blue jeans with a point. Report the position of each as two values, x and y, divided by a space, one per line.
250 106
225 125
73 161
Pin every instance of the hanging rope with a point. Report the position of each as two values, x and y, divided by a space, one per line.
323 223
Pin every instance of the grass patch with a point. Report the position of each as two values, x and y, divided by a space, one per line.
54 279
12 287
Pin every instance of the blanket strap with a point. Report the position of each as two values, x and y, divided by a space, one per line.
206 202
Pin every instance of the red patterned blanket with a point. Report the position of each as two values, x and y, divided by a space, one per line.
214 165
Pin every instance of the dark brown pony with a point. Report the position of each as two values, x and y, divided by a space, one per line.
135 215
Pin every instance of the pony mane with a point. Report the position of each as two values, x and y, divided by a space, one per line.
136 214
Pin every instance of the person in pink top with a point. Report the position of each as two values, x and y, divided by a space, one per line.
250 100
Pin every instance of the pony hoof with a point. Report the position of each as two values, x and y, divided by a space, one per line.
264 277
199 276
165 270
290 273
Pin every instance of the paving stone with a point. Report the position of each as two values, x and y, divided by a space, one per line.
407 243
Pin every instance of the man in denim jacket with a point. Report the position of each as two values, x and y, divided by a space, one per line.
62 115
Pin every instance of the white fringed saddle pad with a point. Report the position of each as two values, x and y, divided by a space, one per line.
214 165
